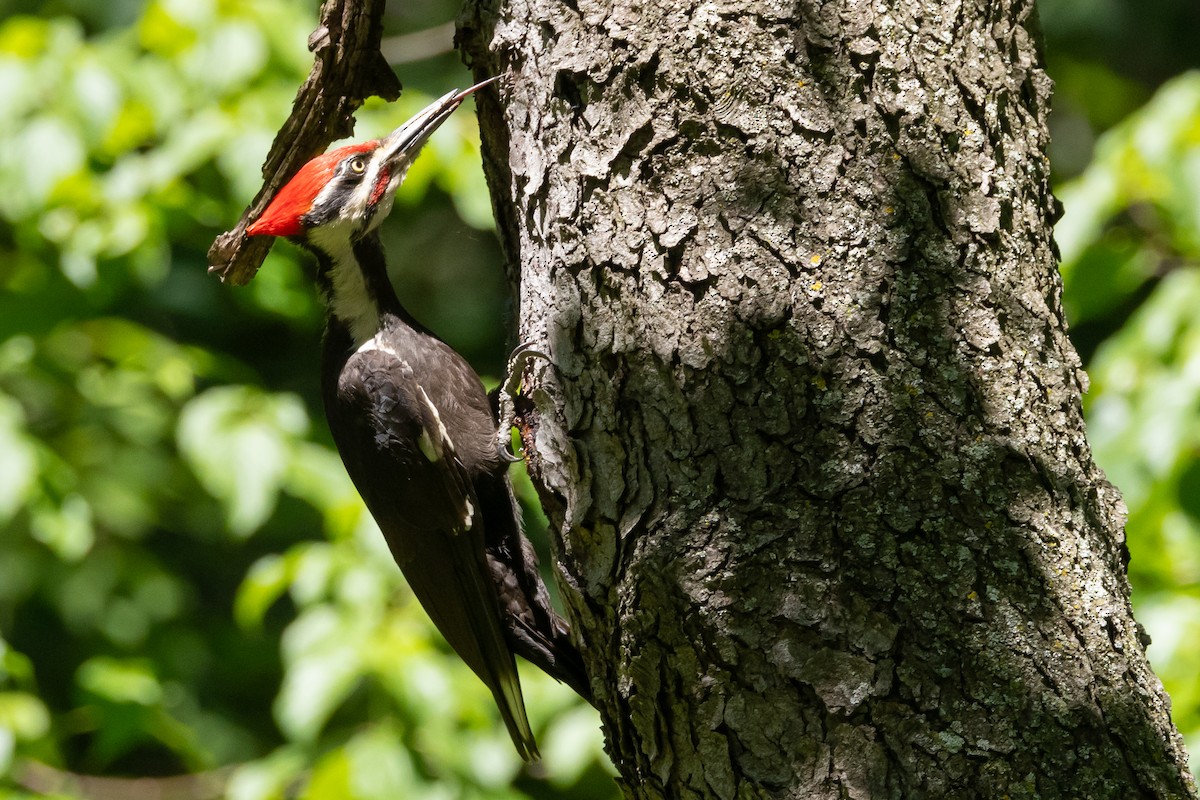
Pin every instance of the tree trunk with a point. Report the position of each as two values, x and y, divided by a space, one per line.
827 520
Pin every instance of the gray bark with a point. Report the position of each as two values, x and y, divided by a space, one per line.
826 517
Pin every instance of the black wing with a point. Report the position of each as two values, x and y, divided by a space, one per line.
401 457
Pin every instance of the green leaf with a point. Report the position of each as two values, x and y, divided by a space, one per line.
23 714
266 582
1144 168
317 476
28 177
267 778
1173 622
322 650
66 529
330 778
120 680
228 58
380 768
18 458
572 744
8 746
14 667
239 441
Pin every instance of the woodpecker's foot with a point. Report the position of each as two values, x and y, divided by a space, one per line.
510 388
518 360
504 449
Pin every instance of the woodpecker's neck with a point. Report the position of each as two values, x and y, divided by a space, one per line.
354 283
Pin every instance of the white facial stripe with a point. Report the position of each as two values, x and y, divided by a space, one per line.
357 190
356 205
384 206
352 302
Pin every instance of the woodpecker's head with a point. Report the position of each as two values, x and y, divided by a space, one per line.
344 194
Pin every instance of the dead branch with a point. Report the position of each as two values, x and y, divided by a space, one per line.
45 779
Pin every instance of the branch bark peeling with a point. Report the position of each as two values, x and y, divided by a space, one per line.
347 70
812 446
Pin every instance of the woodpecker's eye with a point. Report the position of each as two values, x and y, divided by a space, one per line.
358 166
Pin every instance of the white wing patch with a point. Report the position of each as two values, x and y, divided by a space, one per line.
378 343
428 448
442 442
436 447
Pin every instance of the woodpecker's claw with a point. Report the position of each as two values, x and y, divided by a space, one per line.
518 360
508 389
505 451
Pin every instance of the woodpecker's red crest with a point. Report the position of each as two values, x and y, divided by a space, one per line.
284 215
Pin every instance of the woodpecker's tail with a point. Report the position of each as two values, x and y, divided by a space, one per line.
507 694
533 629
550 649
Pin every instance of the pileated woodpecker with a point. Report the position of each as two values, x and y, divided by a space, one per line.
414 427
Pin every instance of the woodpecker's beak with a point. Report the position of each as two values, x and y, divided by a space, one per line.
398 149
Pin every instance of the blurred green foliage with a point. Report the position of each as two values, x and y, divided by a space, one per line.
1126 148
1130 241
188 581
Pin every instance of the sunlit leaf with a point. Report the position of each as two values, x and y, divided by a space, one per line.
266 582
28 176
18 459
330 778
380 768
267 778
317 475
8 743
1142 165
160 30
572 744
24 715
120 681
1173 622
65 528
15 668
239 442
227 59
313 568
323 652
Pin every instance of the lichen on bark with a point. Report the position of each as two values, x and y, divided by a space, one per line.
811 440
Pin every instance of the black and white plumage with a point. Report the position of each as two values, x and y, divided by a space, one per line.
413 425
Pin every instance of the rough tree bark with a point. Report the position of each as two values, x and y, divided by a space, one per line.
812 444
